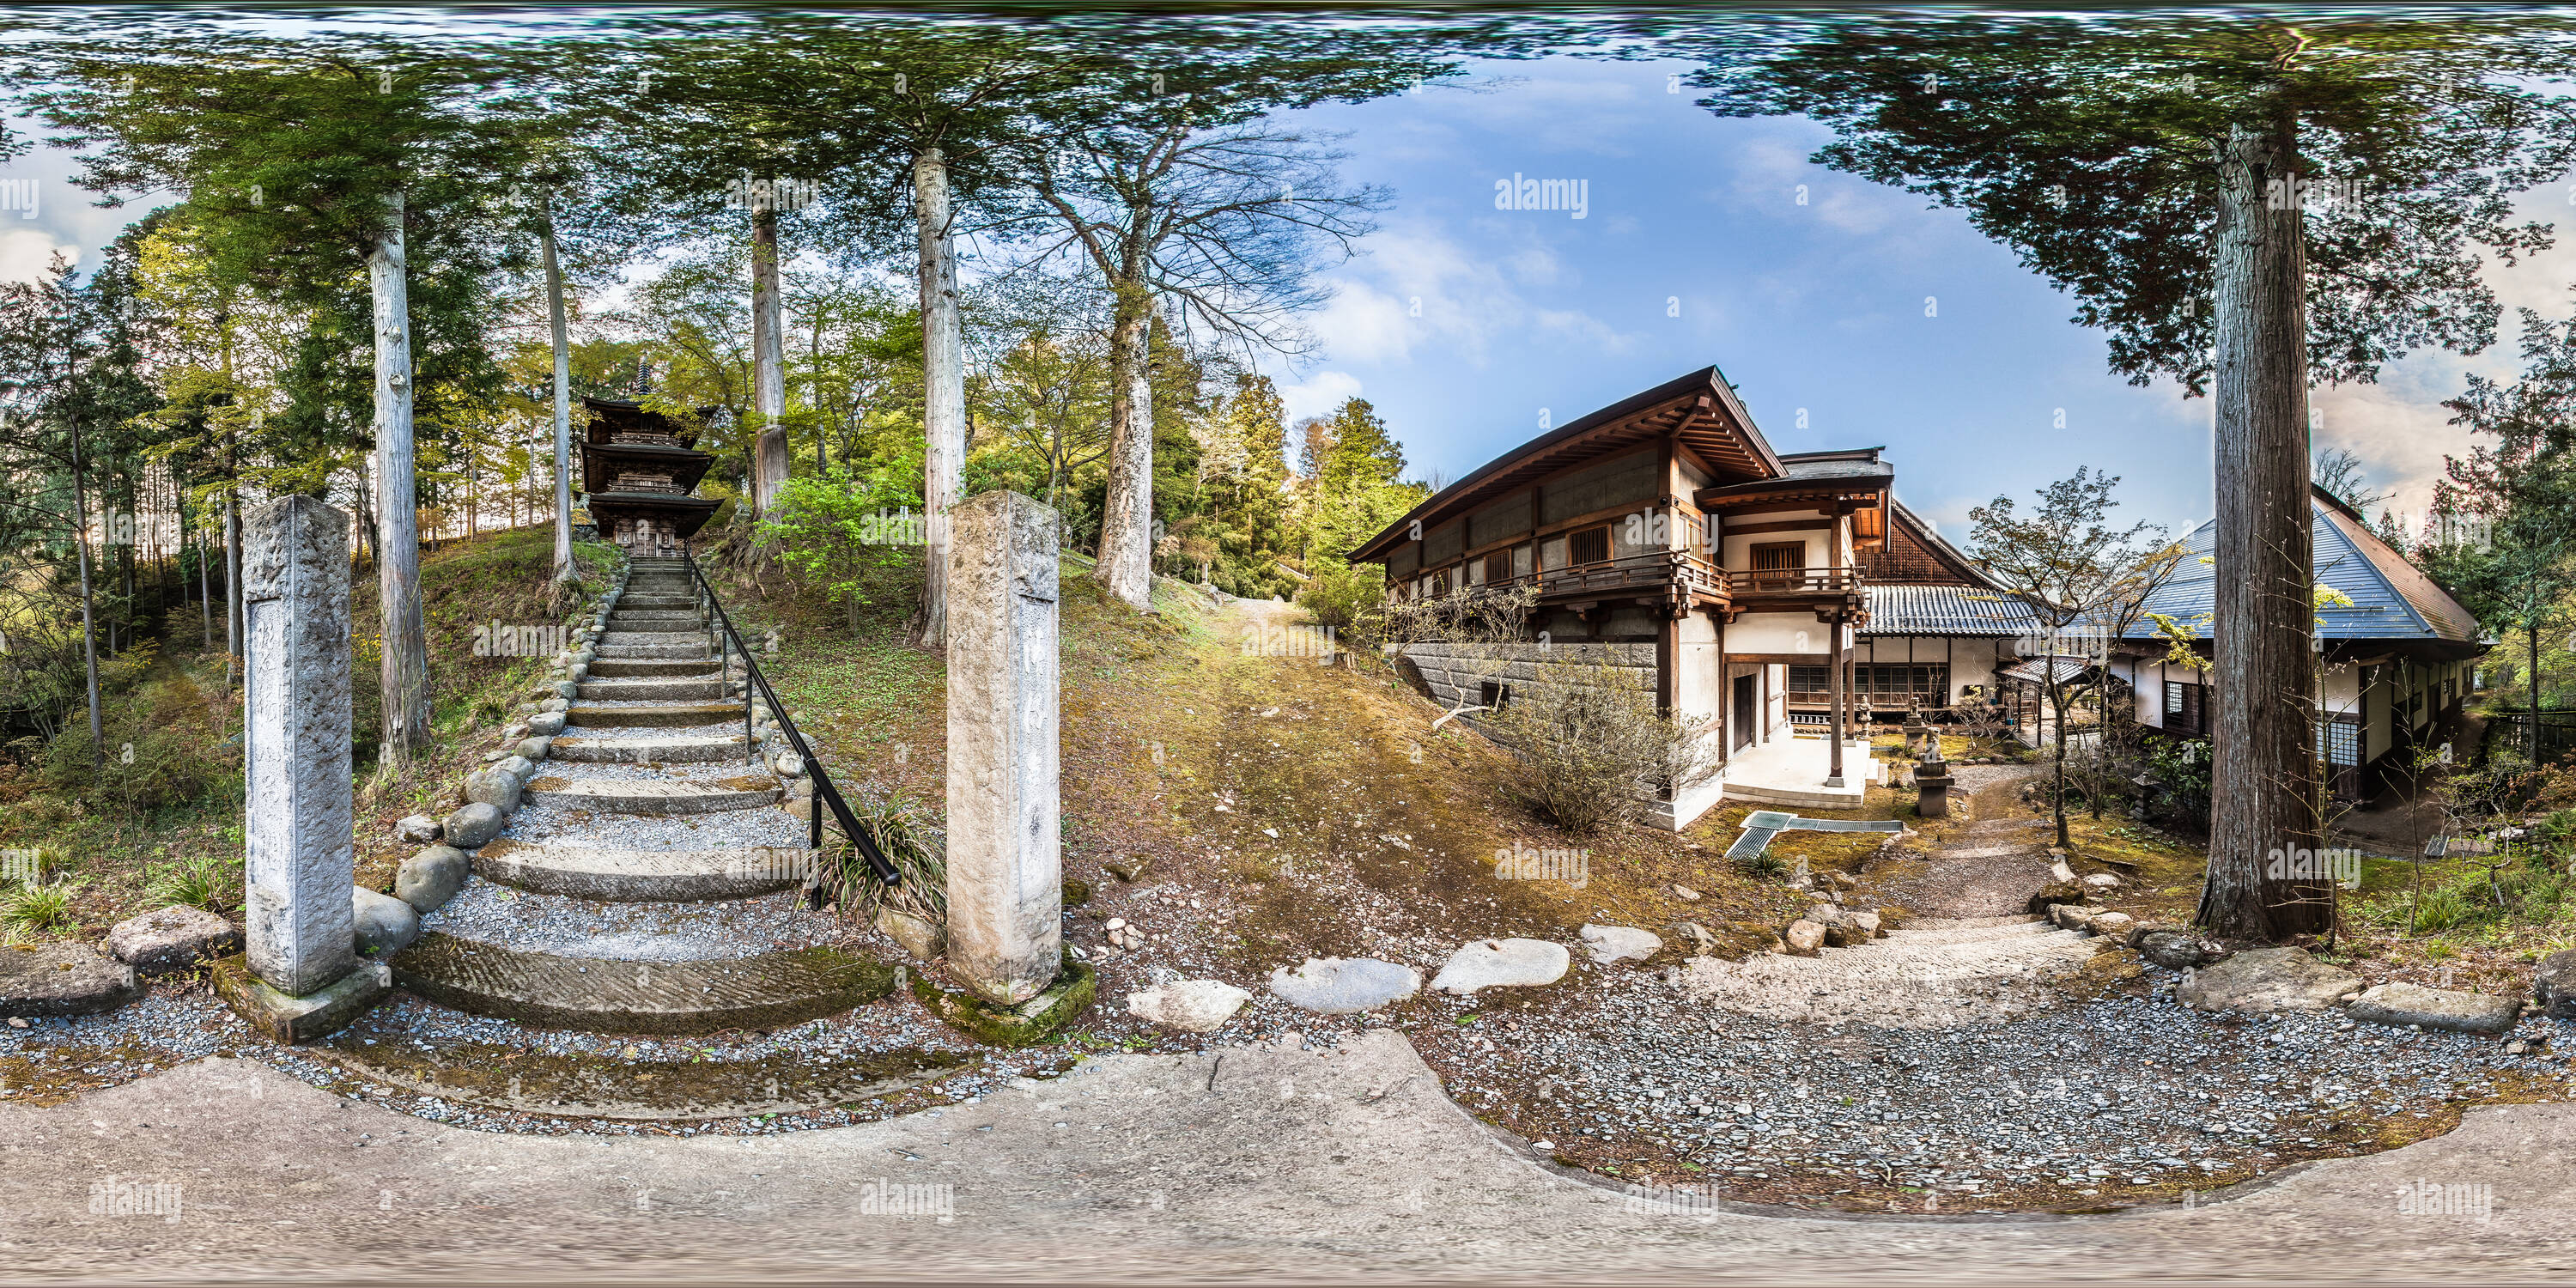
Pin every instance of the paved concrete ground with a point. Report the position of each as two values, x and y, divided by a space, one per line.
1276 1164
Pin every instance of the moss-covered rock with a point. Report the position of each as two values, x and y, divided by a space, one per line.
1031 1022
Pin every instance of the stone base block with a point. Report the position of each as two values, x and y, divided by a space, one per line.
1027 1024
288 1020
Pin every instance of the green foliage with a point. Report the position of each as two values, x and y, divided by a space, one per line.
202 882
855 538
35 909
910 836
1343 598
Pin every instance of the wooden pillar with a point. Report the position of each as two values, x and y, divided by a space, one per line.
1834 649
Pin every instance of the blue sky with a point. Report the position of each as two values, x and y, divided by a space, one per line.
1816 311
1855 317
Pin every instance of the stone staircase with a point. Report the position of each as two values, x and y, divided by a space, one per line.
647 883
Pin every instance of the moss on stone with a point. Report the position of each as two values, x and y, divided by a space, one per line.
1028 1024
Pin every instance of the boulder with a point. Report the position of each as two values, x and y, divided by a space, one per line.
385 925
534 749
1344 985
417 829
2167 947
1190 1005
519 767
547 724
63 979
1803 937
2114 926
2266 981
1502 963
552 706
1700 938
567 689
2553 986
920 936
495 787
2436 1008
2055 893
2101 882
171 939
2070 916
429 879
1621 943
474 826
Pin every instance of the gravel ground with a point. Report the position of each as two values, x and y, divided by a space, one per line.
490 913
2103 1099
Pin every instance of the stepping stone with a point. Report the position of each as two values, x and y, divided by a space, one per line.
2399 1003
2266 980
171 939
628 796
644 876
1189 1005
1344 985
2553 986
1621 943
655 689
607 996
649 751
1502 963
591 715
63 979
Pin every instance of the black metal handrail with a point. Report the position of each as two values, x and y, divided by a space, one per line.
758 685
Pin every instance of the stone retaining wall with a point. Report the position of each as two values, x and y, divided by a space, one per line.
1455 671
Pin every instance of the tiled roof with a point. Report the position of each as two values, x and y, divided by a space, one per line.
2391 598
1901 609
2057 670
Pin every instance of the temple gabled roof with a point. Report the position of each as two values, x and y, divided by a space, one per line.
2392 600
1699 409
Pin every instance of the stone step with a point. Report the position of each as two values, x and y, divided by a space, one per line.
660 588
653 619
769 990
655 600
645 1090
626 667
649 687
648 751
658 797
645 876
593 715
691 639
694 650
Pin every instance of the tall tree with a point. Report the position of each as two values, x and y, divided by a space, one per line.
310 161
2516 566
2245 203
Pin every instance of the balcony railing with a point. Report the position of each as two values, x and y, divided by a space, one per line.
1794 581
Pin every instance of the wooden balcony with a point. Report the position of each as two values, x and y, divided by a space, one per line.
1800 583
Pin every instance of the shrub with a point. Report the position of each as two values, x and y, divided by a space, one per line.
1589 748
910 837
1343 598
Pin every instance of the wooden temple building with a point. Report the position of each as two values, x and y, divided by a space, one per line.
640 472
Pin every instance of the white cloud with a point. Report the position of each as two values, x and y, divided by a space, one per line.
1318 394
1418 286
27 252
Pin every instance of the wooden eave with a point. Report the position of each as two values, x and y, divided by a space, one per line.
1697 412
